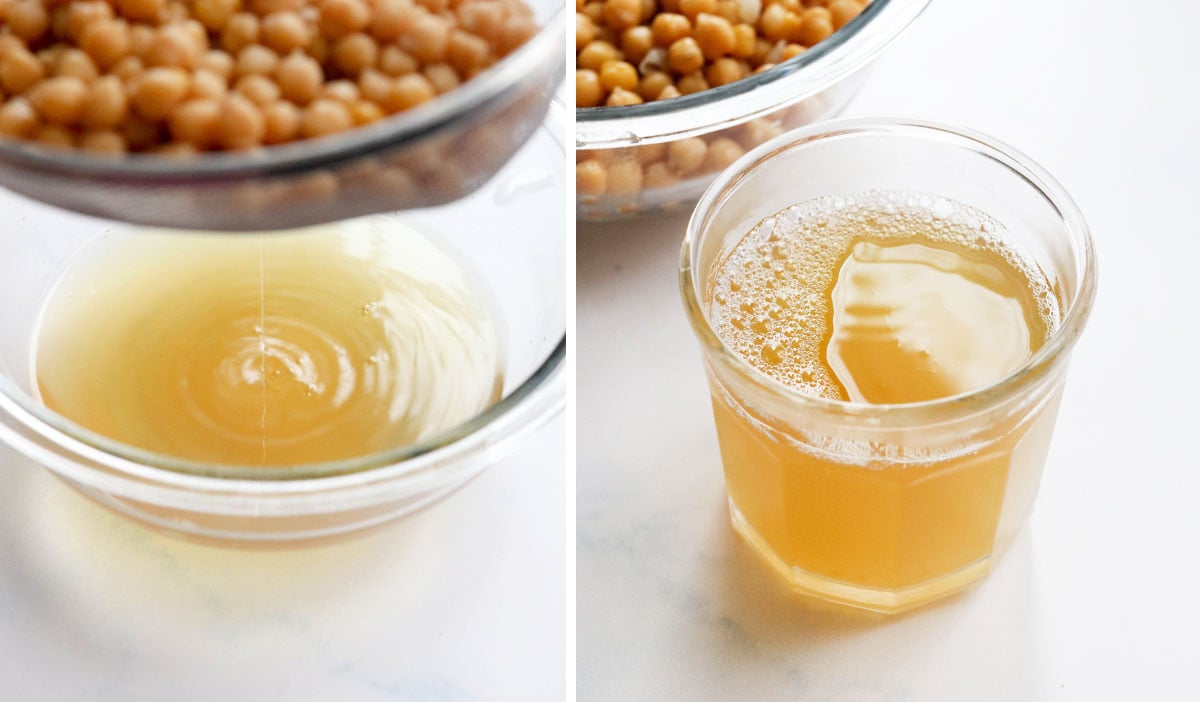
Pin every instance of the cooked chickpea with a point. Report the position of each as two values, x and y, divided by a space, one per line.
595 55
443 77
668 92
59 100
743 45
241 124
618 74
324 117
585 30
467 53
76 64
145 10
158 90
55 136
213 14
621 97
714 35
106 104
299 77
19 70
668 28
363 112
257 88
790 51
658 175
240 31
685 56
621 14
17 118
281 122
78 16
589 91
344 91
256 59
409 91
725 70
693 8
816 25
427 39
106 41
392 18
28 19
686 155
218 62
591 178
625 177
342 17
652 84
284 32
206 84
843 11
636 42
355 53
721 154
174 45
195 121
692 83
778 22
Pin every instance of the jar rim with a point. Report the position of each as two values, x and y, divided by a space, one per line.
1060 342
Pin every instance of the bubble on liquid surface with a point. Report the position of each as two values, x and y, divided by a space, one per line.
789 263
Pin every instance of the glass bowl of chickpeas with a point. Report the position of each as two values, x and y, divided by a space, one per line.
248 115
671 92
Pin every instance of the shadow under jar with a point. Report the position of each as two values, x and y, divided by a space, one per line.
661 155
887 506
505 236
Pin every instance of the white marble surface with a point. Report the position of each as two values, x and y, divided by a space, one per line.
463 601
1096 600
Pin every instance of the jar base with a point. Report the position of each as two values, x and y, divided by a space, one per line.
874 599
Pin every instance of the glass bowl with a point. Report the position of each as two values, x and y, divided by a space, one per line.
813 86
427 156
519 261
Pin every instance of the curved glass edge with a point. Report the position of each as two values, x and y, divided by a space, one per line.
850 49
541 53
916 413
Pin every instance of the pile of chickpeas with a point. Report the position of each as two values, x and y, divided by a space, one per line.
632 51
180 76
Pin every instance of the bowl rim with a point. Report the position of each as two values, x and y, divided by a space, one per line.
1056 348
845 52
405 128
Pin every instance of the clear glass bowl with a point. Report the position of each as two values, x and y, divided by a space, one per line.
427 156
813 86
509 232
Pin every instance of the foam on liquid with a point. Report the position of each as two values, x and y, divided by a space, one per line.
883 297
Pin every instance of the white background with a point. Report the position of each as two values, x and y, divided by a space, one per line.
1097 599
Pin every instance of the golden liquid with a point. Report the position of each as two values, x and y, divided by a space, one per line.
270 350
886 298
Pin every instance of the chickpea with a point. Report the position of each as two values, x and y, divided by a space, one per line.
144 10
589 91
28 19
625 177
658 175
668 28
722 152
394 61
173 45
816 25
281 122
206 84
213 14
158 90
241 124
409 91
636 42
693 8
284 32
668 92
106 104
621 97
342 17
652 84
685 56
686 155
692 83
443 77
240 31
256 59
17 118
486 19
790 51
428 38
355 53
743 44
59 100
75 63
714 35
778 22
128 68
585 30
299 77
618 74
106 42
363 112
344 91
218 62
622 14
591 178
467 52
54 136
324 117
726 70
843 11
19 70
595 55
393 18
257 88
195 122
78 16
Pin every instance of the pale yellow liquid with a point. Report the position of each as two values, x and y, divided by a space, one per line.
269 350
880 299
